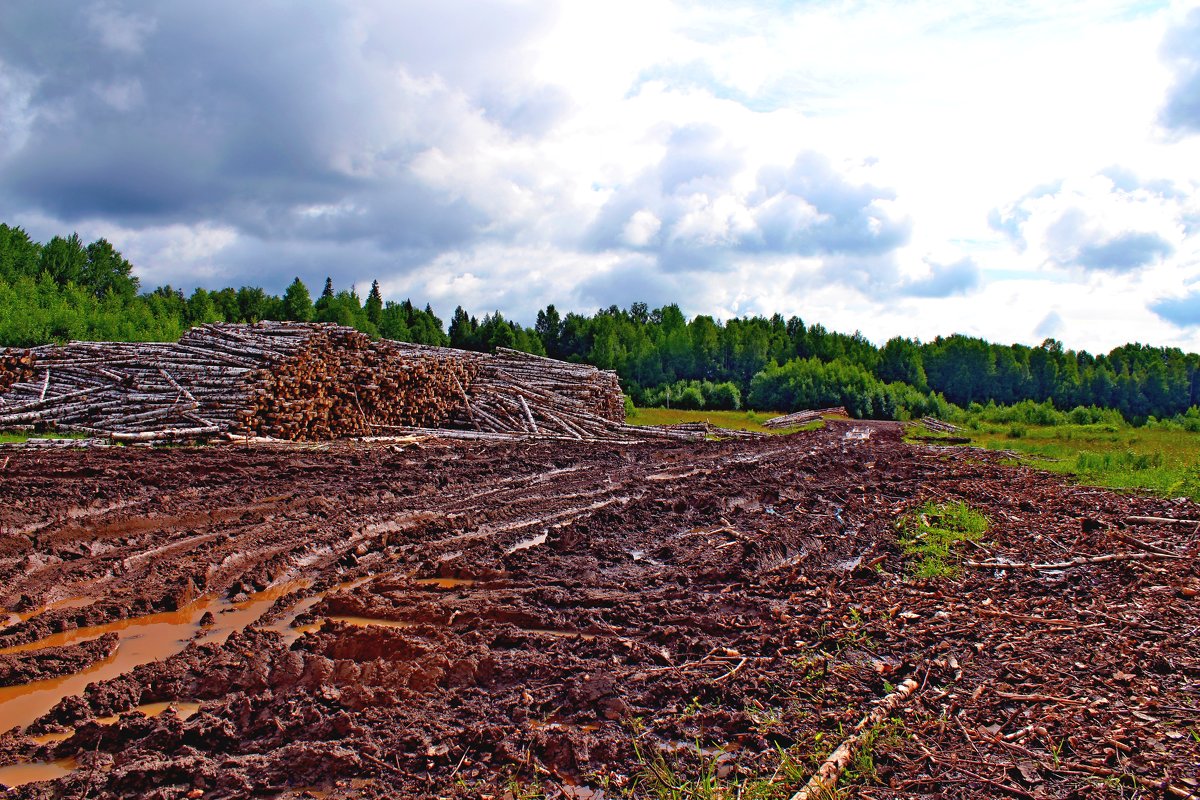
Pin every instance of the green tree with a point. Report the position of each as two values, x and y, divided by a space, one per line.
64 260
374 305
297 304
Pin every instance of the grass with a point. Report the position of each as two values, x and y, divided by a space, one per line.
9 437
666 778
928 535
1163 462
730 420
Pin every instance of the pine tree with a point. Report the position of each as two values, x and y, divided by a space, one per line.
374 305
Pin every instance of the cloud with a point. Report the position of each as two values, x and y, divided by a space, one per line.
701 206
945 280
169 114
1183 312
633 280
1123 252
1182 50
1050 327
1113 221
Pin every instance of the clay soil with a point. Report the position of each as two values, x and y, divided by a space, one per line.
608 621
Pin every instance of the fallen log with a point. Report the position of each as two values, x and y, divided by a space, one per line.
1079 561
1160 521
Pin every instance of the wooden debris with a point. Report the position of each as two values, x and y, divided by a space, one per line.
1079 561
804 417
311 382
935 424
1161 521
824 780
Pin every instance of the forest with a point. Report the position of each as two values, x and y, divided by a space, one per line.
66 290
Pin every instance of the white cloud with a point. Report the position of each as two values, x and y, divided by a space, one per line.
835 161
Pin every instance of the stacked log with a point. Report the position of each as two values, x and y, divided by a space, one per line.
804 417
285 380
305 382
935 424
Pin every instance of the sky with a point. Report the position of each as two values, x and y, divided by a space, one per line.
1015 171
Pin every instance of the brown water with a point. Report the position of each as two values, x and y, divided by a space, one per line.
20 774
284 625
184 709
142 640
13 617
446 583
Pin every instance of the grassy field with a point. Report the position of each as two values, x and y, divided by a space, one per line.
732 420
1165 462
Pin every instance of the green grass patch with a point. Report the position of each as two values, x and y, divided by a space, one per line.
928 535
1164 462
673 777
10 437
730 420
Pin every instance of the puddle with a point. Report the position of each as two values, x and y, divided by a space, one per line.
848 565
184 709
552 725
20 774
367 622
446 583
587 637
142 640
525 544
284 625
68 602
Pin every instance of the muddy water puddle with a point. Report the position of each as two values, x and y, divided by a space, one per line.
20 774
142 640
525 544
446 583
184 709
284 625
14 617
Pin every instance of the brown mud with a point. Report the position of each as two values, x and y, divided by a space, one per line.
551 619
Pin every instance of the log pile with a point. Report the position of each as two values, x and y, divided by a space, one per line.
306 382
804 417
935 424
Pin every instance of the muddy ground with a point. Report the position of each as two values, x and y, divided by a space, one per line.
548 619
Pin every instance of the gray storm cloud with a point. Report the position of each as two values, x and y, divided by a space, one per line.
286 123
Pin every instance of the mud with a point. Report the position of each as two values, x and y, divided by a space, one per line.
458 620
20 666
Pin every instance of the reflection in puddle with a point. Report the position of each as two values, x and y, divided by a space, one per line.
20 774
142 640
525 544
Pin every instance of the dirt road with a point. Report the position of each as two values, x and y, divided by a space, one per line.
570 620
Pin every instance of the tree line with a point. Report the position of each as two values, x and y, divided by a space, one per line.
64 290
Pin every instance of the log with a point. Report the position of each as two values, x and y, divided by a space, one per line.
821 785
1078 561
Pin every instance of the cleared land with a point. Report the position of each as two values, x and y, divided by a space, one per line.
588 620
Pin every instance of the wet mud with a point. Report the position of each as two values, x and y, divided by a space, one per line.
456 620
